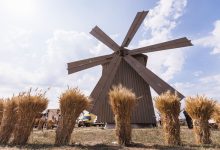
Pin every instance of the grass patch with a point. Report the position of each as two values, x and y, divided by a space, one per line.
98 138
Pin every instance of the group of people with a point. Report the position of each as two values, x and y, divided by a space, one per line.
42 122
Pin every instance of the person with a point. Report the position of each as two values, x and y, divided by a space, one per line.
188 119
42 122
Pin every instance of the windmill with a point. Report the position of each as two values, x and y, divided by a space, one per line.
127 67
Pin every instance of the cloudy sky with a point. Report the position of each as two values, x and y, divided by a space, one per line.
38 38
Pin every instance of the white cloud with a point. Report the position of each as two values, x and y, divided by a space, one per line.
19 38
212 40
163 18
198 73
206 85
25 63
26 66
160 22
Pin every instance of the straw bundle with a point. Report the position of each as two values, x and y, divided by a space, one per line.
1 110
50 124
8 120
41 124
29 106
200 109
168 105
122 101
216 113
72 103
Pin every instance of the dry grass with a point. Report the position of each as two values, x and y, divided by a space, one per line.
200 109
72 103
168 105
122 101
50 124
41 124
9 119
29 106
216 113
92 138
1 110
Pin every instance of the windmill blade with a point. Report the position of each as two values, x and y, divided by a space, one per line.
152 79
87 63
104 84
177 43
104 38
139 18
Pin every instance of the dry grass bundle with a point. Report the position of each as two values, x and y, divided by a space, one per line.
216 113
200 109
9 120
29 106
50 124
41 124
168 105
1 110
72 103
122 101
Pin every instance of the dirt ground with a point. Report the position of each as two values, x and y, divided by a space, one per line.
93 138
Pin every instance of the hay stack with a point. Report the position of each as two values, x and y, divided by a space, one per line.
72 103
216 113
168 105
122 101
200 109
50 124
8 120
29 106
41 124
1 110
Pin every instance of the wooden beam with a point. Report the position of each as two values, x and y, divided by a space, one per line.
152 79
104 38
87 63
177 43
103 86
139 18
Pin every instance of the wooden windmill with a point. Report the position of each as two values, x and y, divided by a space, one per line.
127 67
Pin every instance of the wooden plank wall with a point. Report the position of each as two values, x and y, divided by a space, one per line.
144 111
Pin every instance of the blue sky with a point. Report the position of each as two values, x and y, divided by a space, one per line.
38 38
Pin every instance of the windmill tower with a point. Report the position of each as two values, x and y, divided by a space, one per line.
127 67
